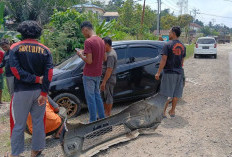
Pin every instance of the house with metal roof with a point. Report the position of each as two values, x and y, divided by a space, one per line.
108 16
89 7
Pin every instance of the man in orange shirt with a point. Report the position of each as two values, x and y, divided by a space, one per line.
53 122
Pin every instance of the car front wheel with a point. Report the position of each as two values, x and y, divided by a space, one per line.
70 102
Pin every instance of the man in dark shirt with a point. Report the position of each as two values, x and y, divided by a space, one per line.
109 76
93 56
5 45
173 54
31 64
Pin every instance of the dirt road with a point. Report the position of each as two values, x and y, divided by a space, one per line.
203 122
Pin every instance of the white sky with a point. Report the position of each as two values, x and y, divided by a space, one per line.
214 7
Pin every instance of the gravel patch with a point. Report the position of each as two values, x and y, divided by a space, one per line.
203 122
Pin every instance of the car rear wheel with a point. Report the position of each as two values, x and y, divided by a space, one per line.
195 56
70 102
215 56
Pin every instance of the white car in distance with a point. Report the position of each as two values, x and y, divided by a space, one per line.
206 46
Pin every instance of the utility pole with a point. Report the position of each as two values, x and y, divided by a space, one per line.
142 19
183 5
158 17
195 12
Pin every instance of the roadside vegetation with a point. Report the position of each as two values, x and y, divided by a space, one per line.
189 50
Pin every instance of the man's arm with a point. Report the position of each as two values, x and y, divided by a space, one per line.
106 78
19 73
54 104
47 78
161 67
182 62
110 65
105 57
3 61
87 59
163 61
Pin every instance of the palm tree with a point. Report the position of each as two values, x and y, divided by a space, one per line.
38 10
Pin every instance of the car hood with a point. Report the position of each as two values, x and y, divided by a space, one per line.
58 71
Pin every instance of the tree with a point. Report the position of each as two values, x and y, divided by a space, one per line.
210 24
114 5
63 34
165 12
168 21
126 13
130 18
38 10
184 20
206 30
98 3
199 22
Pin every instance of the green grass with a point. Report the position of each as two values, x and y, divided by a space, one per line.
189 50
5 94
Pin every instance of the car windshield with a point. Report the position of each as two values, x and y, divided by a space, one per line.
70 64
206 41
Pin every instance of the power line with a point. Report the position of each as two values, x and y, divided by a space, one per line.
215 15
170 7
172 3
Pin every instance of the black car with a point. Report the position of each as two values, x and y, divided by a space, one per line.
138 62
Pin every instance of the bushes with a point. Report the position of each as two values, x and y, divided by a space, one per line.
63 34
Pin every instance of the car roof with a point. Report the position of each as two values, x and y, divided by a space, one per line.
131 42
206 38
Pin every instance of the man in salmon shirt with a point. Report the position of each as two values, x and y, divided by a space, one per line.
93 56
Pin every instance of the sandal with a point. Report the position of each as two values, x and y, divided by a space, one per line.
36 153
171 115
164 116
7 154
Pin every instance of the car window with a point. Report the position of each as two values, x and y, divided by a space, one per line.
142 53
206 41
121 54
70 64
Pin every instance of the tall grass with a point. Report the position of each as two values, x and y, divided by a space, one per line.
189 50
5 94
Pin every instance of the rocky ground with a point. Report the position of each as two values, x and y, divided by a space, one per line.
202 126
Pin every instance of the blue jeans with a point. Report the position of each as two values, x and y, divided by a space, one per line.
93 97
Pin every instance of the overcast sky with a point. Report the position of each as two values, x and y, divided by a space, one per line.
219 8
215 7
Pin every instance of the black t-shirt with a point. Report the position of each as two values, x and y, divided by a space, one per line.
175 51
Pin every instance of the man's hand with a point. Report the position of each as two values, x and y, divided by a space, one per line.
41 80
103 86
42 100
57 110
157 76
80 53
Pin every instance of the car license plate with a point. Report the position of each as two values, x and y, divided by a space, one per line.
205 47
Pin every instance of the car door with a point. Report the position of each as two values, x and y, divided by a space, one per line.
144 63
122 90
